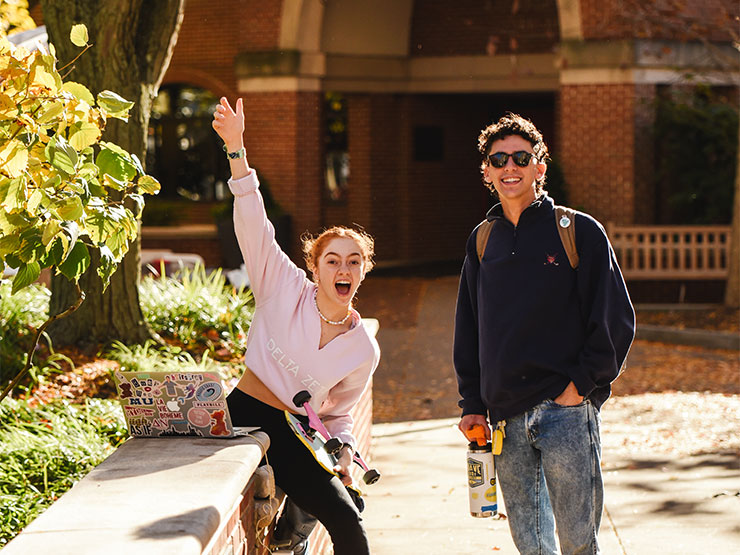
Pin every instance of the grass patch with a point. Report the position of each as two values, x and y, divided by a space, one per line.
45 449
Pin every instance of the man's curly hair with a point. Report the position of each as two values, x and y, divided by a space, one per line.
513 124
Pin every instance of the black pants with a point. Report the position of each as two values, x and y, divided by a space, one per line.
304 480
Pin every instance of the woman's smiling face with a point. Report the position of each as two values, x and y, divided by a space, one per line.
340 270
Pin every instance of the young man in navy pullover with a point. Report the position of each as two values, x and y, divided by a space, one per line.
537 345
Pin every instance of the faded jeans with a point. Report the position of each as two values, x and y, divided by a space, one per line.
549 471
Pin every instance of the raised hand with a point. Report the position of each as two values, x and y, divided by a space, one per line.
229 124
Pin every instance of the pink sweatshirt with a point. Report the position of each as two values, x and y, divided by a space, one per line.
283 343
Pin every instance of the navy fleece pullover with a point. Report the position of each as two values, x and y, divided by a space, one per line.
527 324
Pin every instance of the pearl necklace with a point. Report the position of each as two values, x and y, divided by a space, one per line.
324 318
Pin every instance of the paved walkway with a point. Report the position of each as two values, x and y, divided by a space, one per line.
653 504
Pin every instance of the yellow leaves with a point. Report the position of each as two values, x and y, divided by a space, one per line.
78 35
83 134
50 111
42 77
56 176
13 158
51 230
80 91
8 109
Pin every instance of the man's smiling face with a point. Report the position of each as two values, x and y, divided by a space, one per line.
514 183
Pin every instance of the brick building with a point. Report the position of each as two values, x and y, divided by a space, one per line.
368 112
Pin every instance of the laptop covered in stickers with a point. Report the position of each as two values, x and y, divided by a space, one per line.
170 404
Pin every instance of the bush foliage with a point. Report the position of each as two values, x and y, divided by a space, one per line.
44 450
696 147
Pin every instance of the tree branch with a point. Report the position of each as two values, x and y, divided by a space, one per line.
29 360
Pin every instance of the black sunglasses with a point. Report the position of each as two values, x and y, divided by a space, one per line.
521 158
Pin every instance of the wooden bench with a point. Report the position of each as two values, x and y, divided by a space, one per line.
672 252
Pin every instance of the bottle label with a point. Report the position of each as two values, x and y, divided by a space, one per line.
475 473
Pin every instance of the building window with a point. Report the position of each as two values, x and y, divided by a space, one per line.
428 143
336 175
183 151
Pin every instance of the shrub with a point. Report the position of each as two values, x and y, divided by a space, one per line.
696 146
194 308
44 450
20 315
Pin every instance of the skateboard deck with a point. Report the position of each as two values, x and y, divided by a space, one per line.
315 444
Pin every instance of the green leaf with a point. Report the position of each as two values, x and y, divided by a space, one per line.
70 208
76 263
68 237
113 183
55 253
96 189
80 91
114 162
147 184
30 248
53 182
9 244
83 134
12 193
114 105
78 35
27 274
62 155
96 226
88 170
13 261
10 223
118 242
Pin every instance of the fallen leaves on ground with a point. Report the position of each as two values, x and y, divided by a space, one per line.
674 424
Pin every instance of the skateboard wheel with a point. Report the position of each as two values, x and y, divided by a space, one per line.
301 397
333 446
371 476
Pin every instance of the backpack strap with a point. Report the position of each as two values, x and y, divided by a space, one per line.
481 237
565 219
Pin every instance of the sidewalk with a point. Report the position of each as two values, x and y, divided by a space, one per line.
654 503
420 505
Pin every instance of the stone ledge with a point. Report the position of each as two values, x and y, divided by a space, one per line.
699 338
151 496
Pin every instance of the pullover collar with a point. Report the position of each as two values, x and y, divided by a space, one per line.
542 206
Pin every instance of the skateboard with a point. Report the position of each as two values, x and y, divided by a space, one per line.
318 440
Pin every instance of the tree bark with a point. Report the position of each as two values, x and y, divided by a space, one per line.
132 43
732 293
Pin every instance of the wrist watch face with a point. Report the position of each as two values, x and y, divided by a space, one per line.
238 154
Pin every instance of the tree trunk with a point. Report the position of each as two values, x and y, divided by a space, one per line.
732 293
132 43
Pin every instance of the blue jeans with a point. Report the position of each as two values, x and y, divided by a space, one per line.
549 471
